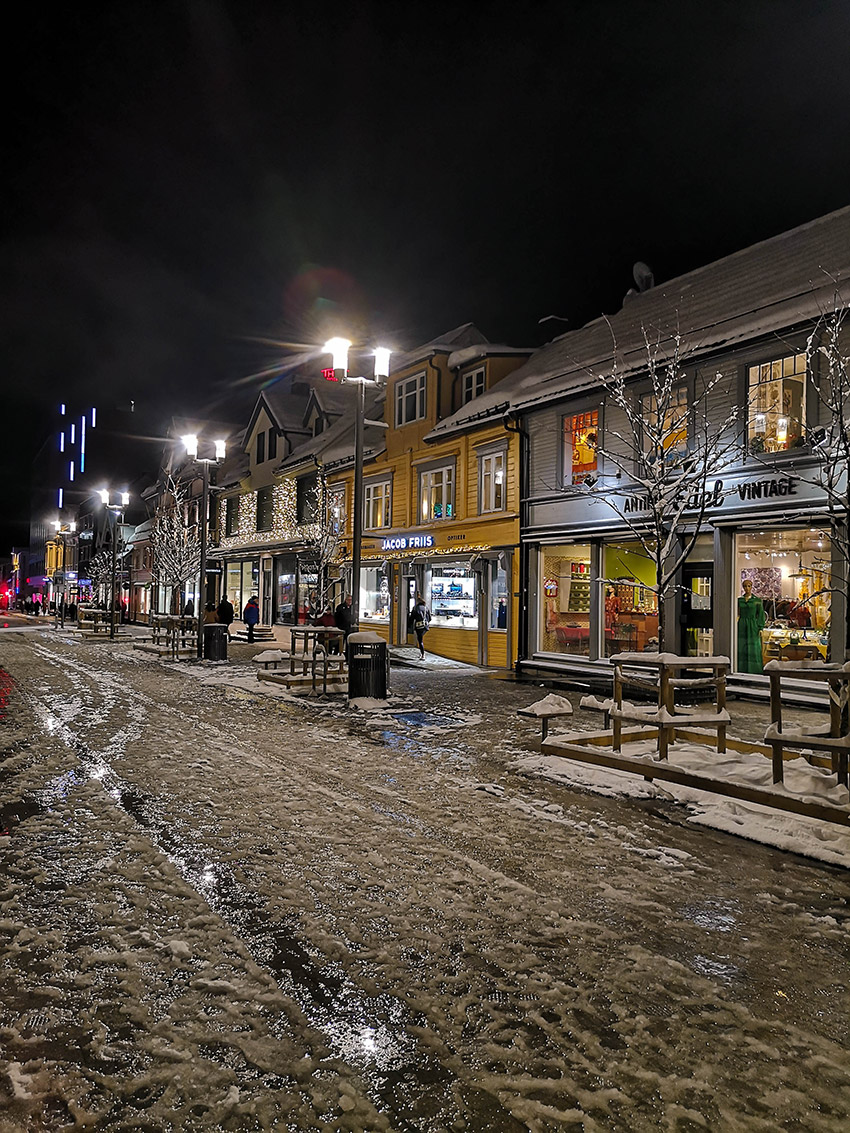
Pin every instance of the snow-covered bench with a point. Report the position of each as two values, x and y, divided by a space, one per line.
270 658
551 707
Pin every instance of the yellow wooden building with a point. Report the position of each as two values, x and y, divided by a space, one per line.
441 503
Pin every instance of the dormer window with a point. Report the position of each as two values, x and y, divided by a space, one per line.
410 399
272 443
474 384
261 447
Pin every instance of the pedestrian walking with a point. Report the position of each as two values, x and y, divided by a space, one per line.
210 614
226 614
251 615
189 609
421 618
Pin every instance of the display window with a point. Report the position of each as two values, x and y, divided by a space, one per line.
782 605
630 605
565 599
309 605
777 404
250 583
498 596
233 586
374 595
451 594
285 596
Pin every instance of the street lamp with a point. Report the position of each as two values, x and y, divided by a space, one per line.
63 530
338 349
114 509
190 443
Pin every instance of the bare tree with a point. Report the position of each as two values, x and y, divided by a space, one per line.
323 536
175 543
666 457
100 571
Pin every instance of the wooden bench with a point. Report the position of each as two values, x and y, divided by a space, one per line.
551 707
834 738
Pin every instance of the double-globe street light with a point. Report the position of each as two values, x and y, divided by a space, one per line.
190 443
114 510
338 348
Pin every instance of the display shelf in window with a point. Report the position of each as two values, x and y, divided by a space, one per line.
579 599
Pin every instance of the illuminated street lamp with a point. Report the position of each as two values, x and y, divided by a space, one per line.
338 349
190 443
114 510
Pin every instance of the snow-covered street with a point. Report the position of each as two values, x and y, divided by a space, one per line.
225 907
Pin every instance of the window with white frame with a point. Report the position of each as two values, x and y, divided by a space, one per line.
473 384
671 433
491 482
410 399
777 404
437 493
376 504
336 510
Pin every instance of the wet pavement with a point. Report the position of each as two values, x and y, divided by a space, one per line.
222 908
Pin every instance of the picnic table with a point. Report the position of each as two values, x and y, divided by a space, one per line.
97 620
320 636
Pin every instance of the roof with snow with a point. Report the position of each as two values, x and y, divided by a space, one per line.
335 445
466 335
764 289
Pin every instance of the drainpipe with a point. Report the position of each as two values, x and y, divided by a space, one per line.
511 424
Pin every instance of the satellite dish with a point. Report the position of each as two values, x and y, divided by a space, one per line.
643 276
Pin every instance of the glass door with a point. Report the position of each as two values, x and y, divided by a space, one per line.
698 610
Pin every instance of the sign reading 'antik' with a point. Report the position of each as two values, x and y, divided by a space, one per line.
711 498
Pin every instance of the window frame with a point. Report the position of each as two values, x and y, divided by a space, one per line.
748 400
272 444
369 500
447 471
336 523
305 511
568 479
231 515
486 507
417 386
679 388
470 385
267 506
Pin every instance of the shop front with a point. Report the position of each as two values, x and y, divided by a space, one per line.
469 590
756 584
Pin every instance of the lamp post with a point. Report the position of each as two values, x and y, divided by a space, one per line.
63 530
190 442
114 510
338 348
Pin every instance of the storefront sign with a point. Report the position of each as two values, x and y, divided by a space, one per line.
712 496
407 542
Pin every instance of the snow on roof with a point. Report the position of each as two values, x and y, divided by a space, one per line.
458 339
757 291
469 354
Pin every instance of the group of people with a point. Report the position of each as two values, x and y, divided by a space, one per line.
341 618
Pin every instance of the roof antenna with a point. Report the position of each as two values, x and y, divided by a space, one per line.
546 318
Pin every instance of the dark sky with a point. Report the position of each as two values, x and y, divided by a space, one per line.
184 178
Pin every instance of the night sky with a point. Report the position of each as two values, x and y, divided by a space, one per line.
186 179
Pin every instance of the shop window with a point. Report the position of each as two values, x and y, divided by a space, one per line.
777 404
376 504
630 603
309 605
250 583
231 515
565 599
436 494
306 498
782 604
336 510
474 384
671 433
233 586
491 482
272 443
499 596
410 399
451 593
581 440
374 595
261 447
265 506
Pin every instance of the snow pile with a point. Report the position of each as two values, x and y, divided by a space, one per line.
551 705
811 837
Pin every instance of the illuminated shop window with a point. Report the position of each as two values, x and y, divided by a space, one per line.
581 438
672 433
777 404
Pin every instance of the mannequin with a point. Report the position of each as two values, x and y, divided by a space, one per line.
751 621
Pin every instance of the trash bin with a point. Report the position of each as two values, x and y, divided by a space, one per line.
215 642
368 665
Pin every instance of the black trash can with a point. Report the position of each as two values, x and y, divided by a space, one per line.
368 665
215 642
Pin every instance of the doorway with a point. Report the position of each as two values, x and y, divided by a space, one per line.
405 610
698 610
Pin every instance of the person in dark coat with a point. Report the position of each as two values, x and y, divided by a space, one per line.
421 618
226 614
251 615
342 616
189 609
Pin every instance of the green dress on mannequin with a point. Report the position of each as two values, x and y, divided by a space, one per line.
751 621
